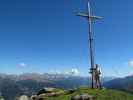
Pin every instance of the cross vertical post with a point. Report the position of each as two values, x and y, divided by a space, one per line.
90 19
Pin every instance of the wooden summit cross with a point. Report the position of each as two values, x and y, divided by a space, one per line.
90 18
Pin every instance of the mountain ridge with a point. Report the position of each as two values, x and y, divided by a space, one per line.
29 84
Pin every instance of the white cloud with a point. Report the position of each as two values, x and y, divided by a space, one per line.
21 65
130 63
75 71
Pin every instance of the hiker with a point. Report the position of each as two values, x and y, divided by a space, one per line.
97 74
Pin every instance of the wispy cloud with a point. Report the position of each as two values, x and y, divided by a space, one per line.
21 65
75 71
130 63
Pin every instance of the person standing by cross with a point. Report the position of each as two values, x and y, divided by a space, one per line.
97 74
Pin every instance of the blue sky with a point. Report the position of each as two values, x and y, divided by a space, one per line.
45 35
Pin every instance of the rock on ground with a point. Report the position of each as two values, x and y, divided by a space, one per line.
24 97
82 97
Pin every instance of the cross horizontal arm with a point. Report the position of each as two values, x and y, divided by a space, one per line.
95 17
87 15
83 14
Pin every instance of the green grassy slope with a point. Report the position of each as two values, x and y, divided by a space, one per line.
104 94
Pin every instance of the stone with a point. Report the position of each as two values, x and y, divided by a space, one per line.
24 97
42 95
82 97
33 97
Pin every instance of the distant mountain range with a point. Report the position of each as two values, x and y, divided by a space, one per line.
12 86
125 84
